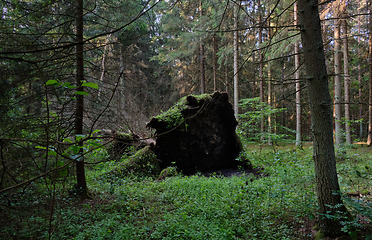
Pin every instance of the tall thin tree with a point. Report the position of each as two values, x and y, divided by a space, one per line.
337 81
81 184
298 83
369 139
346 80
236 61
329 199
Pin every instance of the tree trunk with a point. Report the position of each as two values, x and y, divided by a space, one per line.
121 103
103 65
346 83
329 199
236 62
269 96
298 85
81 185
214 63
369 139
202 58
338 88
360 86
260 73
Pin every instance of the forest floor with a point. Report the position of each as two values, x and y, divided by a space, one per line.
275 201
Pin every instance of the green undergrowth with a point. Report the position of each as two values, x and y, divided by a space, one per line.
279 203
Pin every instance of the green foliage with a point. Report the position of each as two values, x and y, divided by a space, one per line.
277 204
249 128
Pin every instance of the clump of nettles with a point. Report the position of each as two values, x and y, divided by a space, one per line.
173 117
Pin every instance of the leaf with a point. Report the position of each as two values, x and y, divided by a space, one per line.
52 153
52 82
81 93
90 84
40 147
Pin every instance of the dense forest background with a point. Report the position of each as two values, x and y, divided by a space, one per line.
74 73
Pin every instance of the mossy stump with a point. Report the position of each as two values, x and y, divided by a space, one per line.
197 134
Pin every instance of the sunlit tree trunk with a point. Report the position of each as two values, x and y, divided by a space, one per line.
346 82
298 84
329 199
337 83
236 62
103 65
81 184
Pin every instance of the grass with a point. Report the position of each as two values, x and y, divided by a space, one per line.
278 204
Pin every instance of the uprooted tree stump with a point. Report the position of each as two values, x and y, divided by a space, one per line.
197 134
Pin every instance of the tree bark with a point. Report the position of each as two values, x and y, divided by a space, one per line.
260 72
337 83
298 84
103 65
369 139
214 63
346 83
81 185
202 57
236 62
360 86
329 199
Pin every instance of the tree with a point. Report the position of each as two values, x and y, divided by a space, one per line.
337 82
298 83
202 57
369 140
81 184
236 62
346 80
329 199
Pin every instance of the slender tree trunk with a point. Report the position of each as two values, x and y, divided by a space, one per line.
346 83
360 86
202 58
298 85
338 88
236 62
103 65
260 72
214 63
269 100
121 104
81 185
329 200
369 139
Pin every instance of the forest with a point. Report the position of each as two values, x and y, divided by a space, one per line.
85 83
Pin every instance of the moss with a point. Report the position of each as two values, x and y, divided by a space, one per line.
143 163
173 117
